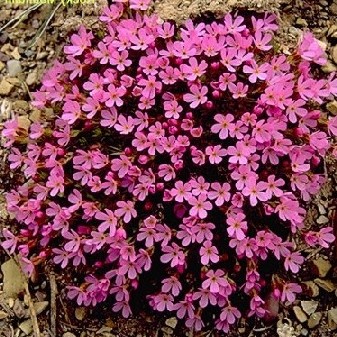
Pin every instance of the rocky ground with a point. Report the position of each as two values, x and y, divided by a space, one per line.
42 307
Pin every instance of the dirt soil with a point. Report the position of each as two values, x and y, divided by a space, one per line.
313 314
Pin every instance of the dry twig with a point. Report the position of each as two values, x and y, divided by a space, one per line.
53 292
32 312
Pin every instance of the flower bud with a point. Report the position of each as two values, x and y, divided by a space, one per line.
172 122
215 66
128 151
143 159
178 61
87 124
209 105
60 152
179 210
189 115
165 125
277 293
298 132
315 160
178 165
216 94
39 214
160 187
148 206
172 130
98 264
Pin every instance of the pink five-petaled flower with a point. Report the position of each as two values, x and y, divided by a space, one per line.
289 290
215 280
208 252
223 126
174 254
293 261
197 96
230 314
255 191
200 206
237 227
126 210
171 285
219 193
215 153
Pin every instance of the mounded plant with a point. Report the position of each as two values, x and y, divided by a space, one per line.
177 166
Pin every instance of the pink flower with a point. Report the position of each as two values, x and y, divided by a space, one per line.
223 126
79 41
10 242
310 50
194 70
200 206
181 191
238 90
208 252
173 254
125 210
237 227
109 221
56 184
293 261
214 281
142 5
230 314
255 191
261 41
215 153
171 285
288 292
256 71
220 193
197 96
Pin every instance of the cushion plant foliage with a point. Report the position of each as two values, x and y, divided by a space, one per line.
177 165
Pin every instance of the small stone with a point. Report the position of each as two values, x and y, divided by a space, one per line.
5 87
326 285
309 307
322 208
13 67
171 322
332 318
333 9
299 313
40 306
332 30
332 107
26 326
314 319
3 314
329 67
15 53
2 65
323 266
13 280
167 330
41 55
80 313
322 220
31 78
24 122
68 334
334 54
304 332
323 3
301 22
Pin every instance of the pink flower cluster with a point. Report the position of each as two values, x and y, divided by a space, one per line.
179 162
